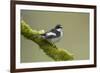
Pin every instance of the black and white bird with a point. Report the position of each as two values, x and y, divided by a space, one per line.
55 34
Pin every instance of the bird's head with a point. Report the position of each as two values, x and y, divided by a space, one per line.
58 26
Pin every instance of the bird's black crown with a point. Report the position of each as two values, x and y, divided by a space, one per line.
58 26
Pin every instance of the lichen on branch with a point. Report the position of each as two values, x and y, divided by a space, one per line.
50 49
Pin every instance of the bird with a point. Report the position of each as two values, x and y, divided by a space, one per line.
55 34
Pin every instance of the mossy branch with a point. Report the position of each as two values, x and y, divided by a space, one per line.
49 48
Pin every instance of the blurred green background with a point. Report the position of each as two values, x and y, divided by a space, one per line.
75 39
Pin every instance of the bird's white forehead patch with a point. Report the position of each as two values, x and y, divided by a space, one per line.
51 33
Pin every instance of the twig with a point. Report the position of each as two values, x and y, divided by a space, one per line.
49 48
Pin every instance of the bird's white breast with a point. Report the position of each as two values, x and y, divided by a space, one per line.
61 32
59 29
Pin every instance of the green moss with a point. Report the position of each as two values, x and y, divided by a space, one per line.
49 48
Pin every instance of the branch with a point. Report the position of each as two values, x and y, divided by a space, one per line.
49 48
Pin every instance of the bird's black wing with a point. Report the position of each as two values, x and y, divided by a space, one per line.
53 35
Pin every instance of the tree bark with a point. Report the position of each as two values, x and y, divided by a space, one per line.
50 49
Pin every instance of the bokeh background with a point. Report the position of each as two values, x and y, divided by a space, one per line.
75 39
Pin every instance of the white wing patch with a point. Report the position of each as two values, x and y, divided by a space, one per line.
51 33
